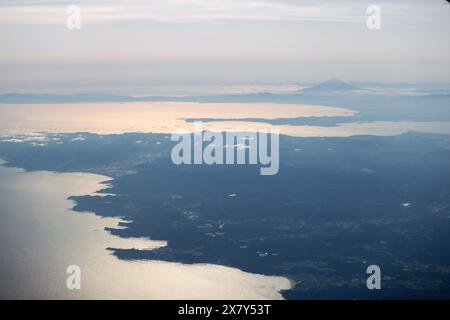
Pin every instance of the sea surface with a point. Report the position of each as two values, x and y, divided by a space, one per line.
169 117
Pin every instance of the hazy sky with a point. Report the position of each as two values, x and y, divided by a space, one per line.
128 46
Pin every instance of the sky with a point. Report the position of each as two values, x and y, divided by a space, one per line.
133 46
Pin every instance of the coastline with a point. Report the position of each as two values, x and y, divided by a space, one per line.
104 276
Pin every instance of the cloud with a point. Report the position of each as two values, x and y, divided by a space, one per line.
182 11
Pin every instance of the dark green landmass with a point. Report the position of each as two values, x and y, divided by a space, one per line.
336 206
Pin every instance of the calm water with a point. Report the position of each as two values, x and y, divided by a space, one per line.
40 236
167 117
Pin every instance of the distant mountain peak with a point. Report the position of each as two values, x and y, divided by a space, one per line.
331 85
